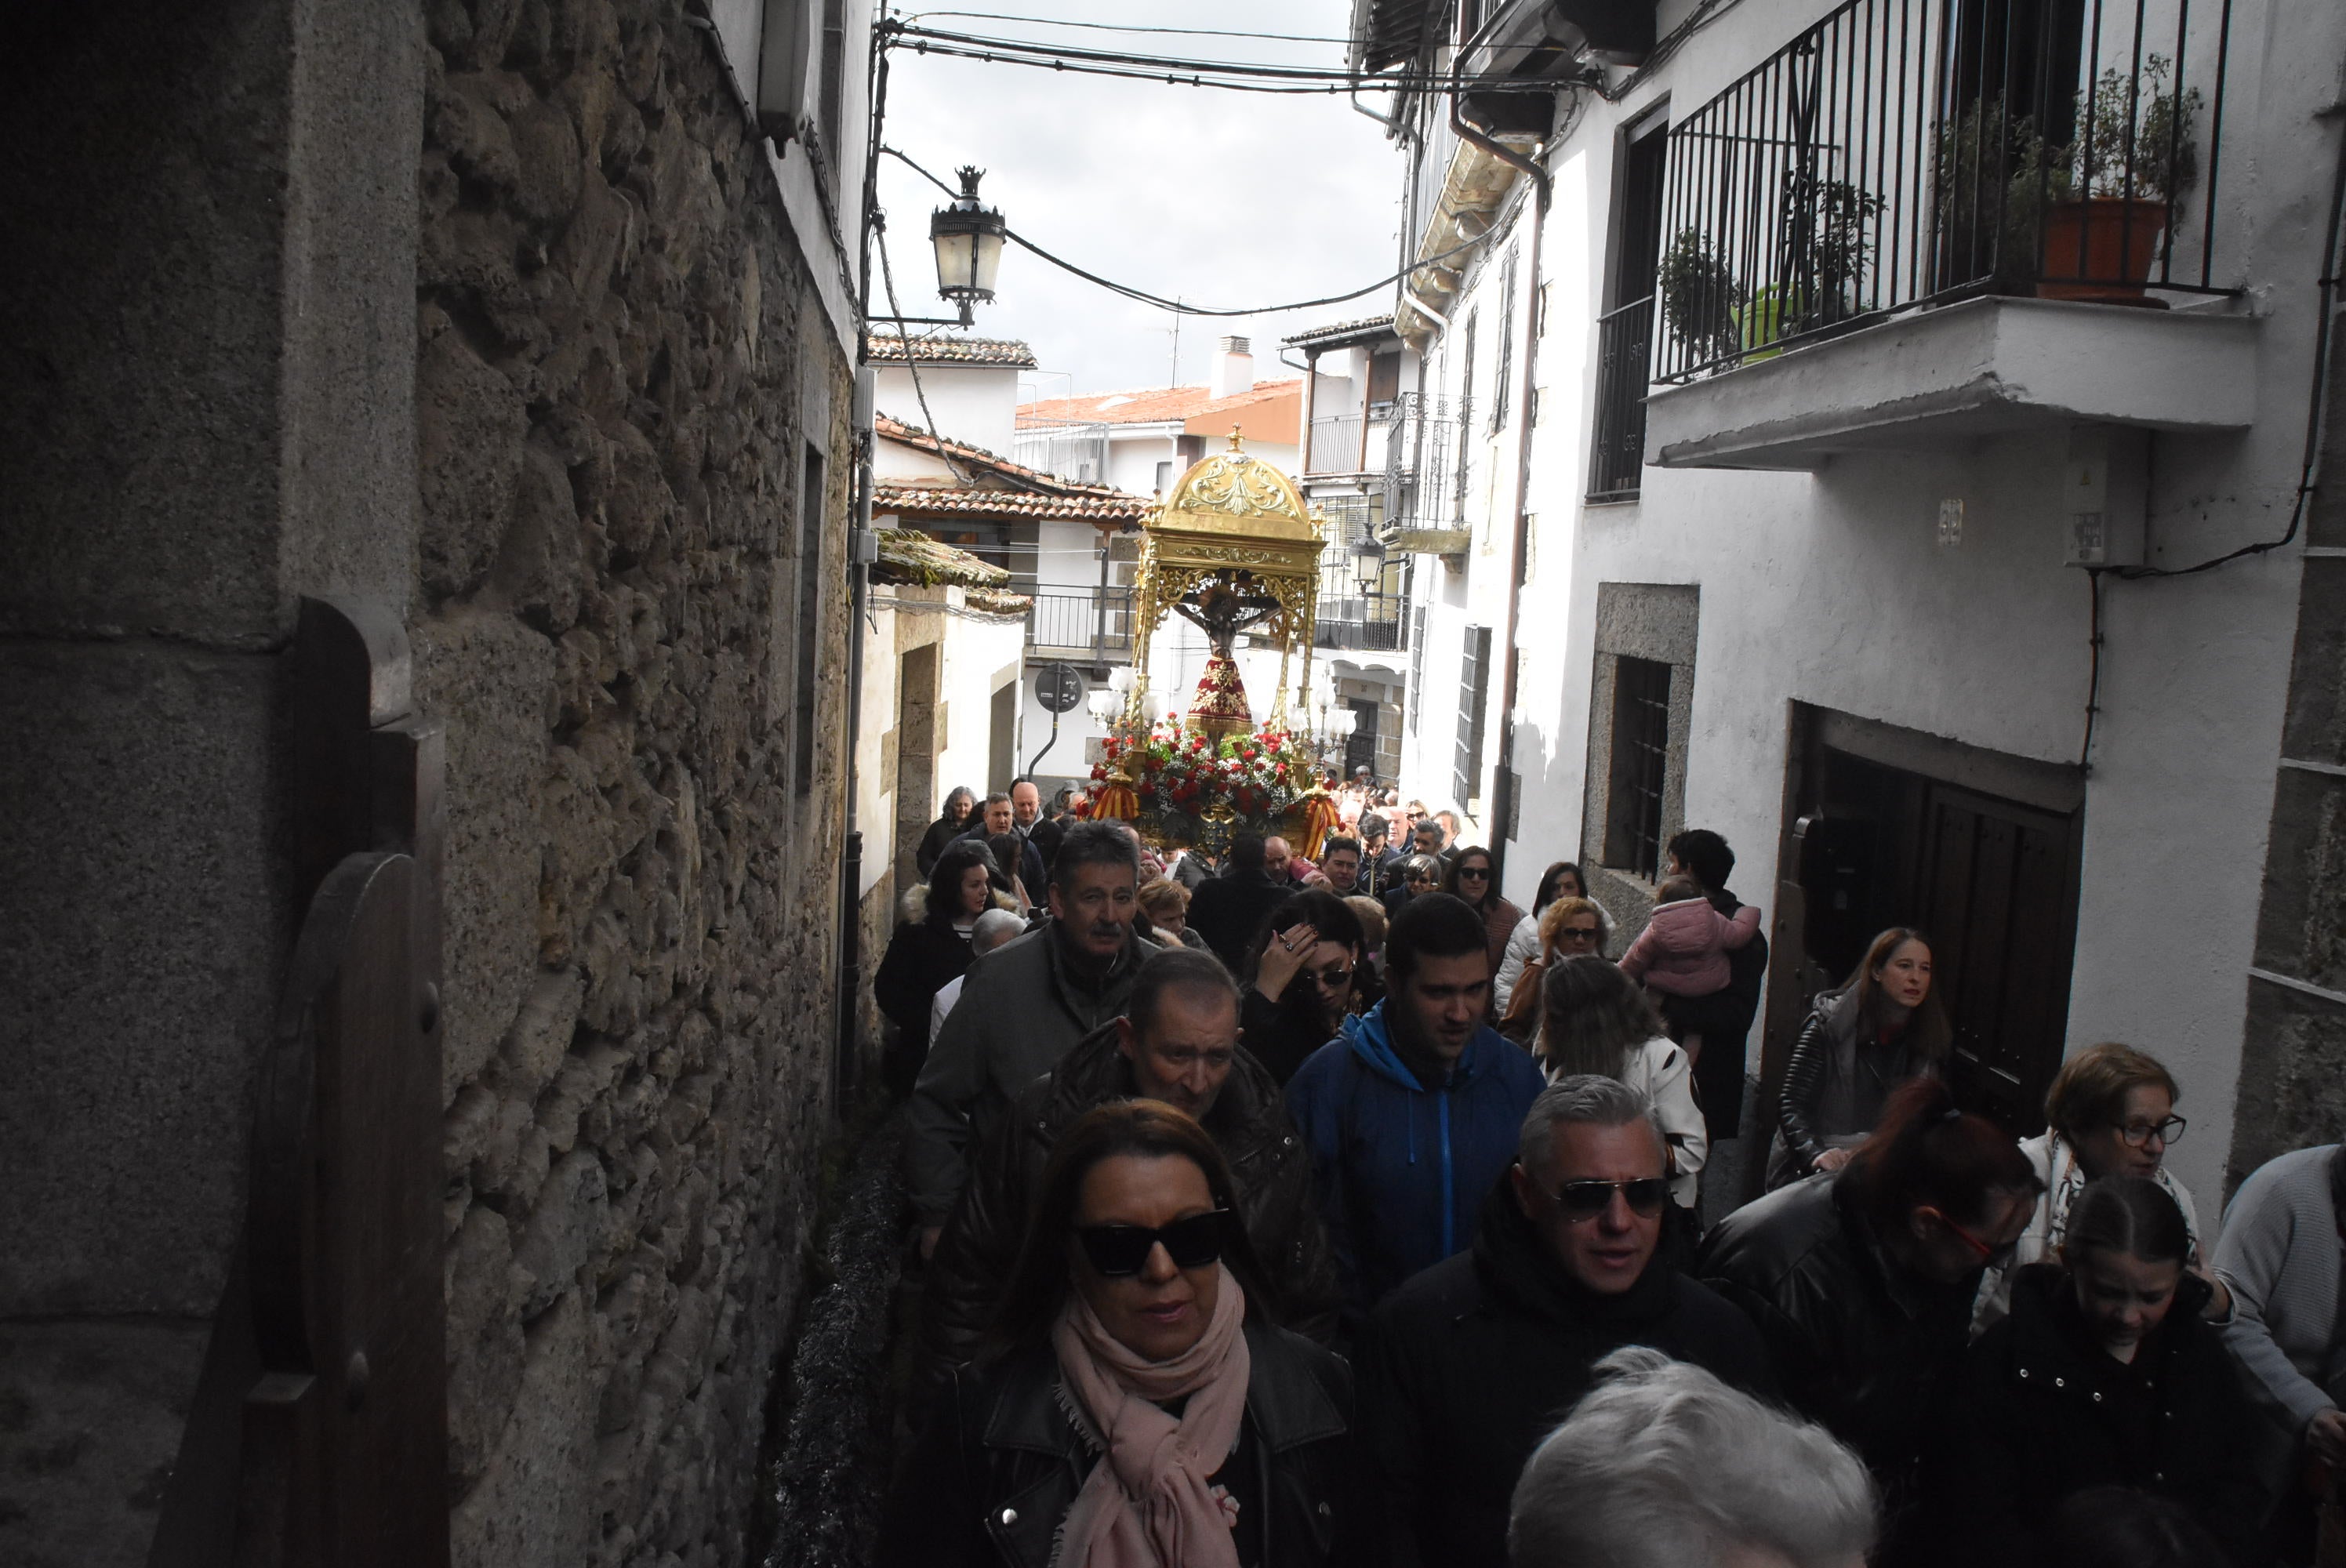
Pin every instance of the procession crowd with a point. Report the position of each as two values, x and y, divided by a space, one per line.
1280 1214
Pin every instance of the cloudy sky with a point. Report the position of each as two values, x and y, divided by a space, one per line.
1225 199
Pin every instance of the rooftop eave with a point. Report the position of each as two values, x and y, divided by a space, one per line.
1474 187
1984 367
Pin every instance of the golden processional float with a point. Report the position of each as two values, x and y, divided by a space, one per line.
1232 549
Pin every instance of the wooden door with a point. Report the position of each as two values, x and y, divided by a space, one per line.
1999 901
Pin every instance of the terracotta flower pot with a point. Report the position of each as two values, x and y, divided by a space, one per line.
2101 249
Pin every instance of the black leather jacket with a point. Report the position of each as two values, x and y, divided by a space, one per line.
1835 1082
1249 1121
999 1464
1860 1345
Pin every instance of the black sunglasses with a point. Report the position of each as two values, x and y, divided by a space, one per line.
1115 1250
1480 873
1585 1200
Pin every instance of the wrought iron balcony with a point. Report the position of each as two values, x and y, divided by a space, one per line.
1375 623
1425 474
1337 445
1089 624
1905 152
1624 344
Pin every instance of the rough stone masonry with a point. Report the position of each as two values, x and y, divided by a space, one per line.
621 375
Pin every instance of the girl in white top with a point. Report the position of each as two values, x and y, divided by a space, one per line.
1594 1019
2111 1111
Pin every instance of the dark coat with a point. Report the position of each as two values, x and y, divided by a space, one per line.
1228 911
1469 1365
1835 1082
1023 1006
934 843
998 1465
1723 1019
1044 835
1861 1346
1248 1124
1395 895
1403 1169
2042 1412
922 957
1281 1034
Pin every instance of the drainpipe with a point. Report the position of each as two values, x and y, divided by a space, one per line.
1502 788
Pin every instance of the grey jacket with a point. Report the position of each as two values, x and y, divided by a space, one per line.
1022 1008
2280 1254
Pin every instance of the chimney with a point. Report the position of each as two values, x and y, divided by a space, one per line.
1233 368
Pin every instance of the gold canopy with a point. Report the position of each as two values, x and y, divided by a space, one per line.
1234 522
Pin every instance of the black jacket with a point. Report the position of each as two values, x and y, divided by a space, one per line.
922 957
1861 1346
2041 1413
1248 1124
1467 1367
1230 909
1044 835
998 1464
1835 1082
1282 1033
941 833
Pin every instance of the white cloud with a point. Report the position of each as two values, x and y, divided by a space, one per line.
1225 199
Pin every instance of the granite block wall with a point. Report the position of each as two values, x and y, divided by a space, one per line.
622 377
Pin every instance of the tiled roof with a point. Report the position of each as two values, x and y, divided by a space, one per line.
916 501
909 556
1001 489
888 349
1152 405
1343 332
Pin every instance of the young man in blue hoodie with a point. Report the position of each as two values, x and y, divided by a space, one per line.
1412 1113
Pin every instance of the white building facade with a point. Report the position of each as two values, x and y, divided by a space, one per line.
1802 502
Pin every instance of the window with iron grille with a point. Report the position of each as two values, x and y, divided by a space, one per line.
1474 691
1641 744
1625 333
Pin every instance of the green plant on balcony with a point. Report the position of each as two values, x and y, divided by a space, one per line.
1700 298
1992 177
2138 121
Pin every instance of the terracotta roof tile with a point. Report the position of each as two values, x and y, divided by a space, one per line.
888 349
914 436
914 502
1150 405
1340 332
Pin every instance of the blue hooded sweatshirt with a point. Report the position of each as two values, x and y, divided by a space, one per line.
1403 1169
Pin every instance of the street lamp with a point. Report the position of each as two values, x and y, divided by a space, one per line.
1367 564
968 239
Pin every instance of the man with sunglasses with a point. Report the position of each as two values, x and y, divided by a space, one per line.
1411 1113
1469 1365
1179 1043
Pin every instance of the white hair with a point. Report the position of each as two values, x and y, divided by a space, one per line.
1663 1466
993 927
1582 1099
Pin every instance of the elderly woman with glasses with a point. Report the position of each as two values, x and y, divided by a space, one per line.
2110 1112
1136 1404
1569 928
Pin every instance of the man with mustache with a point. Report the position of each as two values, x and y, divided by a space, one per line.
1023 1006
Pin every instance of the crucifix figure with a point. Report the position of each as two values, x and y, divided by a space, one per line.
1222 614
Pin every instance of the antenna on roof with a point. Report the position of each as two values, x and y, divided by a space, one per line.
1174 380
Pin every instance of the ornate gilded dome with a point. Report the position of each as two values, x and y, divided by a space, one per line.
1235 494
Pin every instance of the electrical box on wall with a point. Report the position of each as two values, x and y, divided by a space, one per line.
790 61
2105 495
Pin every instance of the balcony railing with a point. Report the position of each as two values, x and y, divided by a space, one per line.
1902 152
1426 470
1624 344
1077 452
1088 624
1369 622
1336 445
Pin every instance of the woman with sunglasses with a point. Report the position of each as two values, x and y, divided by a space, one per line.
1473 876
1304 975
1137 1409
1419 874
2103 1374
1560 881
2110 1112
1861 1280
1571 928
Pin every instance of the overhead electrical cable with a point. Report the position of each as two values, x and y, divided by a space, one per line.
1179 306
1127 27
1235 75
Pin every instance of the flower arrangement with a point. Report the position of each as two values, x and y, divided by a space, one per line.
1180 778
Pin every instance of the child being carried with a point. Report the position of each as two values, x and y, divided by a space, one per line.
1682 951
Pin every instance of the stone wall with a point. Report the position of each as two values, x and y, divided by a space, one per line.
621 372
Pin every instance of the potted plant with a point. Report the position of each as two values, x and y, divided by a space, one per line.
1700 300
2132 164
1992 180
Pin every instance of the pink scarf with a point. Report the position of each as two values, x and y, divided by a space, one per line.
1146 1504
